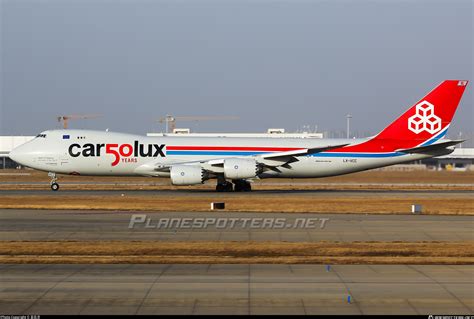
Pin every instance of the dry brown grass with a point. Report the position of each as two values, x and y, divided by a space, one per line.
456 205
393 180
237 252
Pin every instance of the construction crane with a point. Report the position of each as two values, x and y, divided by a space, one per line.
170 120
65 118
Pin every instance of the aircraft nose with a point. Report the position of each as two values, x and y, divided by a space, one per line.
17 155
13 154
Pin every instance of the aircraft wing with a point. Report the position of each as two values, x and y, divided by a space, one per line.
269 160
280 158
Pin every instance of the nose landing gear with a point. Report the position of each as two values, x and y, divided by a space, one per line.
54 184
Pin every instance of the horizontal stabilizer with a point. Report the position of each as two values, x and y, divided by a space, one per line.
430 148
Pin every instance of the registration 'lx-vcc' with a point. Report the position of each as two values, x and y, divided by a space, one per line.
234 162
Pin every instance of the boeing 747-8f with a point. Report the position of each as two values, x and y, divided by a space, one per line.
233 161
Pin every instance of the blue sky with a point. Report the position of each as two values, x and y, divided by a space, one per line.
272 63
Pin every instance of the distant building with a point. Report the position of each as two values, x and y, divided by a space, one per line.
7 143
460 158
271 132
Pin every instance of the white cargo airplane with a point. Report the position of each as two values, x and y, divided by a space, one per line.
417 134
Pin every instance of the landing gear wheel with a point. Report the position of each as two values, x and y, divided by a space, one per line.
242 186
55 186
238 187
229 187
224 187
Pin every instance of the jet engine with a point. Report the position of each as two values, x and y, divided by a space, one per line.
240 168
187 175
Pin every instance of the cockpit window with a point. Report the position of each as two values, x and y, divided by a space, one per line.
41 135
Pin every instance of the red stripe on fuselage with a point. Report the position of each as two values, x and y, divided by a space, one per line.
232 148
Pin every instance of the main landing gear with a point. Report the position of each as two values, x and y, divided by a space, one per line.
241 185
224 187
54 184
238 185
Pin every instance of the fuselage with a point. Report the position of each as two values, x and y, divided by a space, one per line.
417 134
86 152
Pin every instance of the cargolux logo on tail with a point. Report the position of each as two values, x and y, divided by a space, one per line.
424 119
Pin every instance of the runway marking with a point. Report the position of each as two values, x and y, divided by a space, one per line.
412 307
151 287
310 296
304 308
354 300
249 297
54 286
441 285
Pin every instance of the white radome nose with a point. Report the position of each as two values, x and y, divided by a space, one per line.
17 155
12 154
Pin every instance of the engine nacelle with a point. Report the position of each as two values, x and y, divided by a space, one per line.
239 168
187 175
